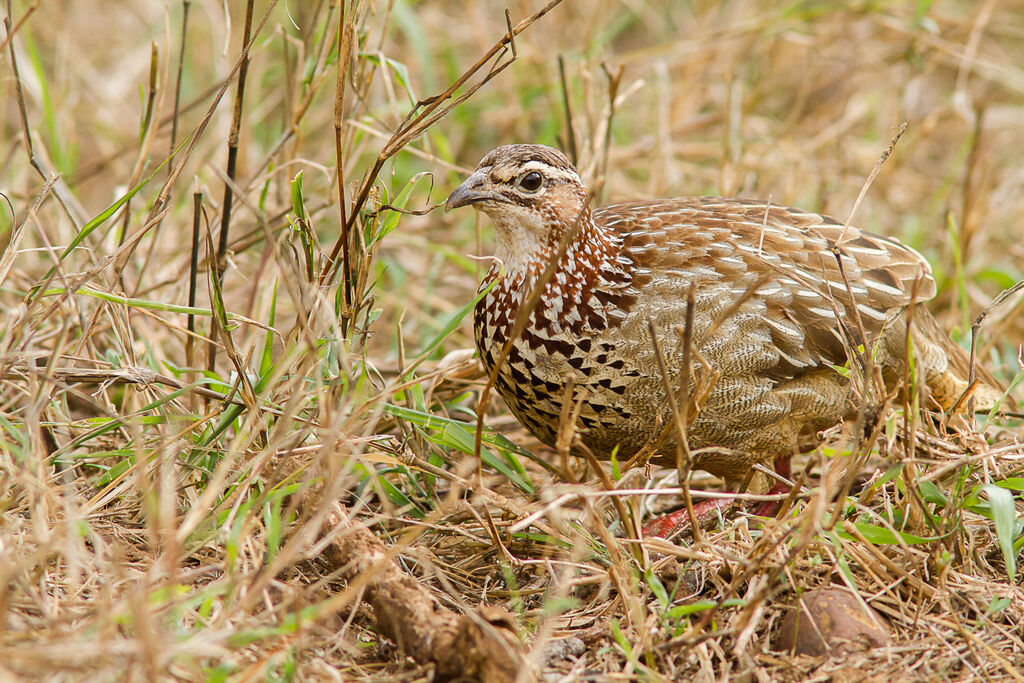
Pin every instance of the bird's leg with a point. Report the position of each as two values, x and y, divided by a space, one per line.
706 512
768 508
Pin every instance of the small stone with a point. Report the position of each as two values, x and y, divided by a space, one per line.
563 648
831 621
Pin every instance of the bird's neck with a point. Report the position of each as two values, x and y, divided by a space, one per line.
590 262
584 246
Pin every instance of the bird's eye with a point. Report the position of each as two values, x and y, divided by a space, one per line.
530 181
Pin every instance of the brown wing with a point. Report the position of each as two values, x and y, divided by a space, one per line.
789 251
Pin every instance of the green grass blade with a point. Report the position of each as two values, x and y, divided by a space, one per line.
1004 516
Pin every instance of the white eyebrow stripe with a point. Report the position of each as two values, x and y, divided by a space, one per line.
548 170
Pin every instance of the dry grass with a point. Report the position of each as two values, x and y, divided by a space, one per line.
162 518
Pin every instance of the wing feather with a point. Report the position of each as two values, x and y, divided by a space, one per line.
810 300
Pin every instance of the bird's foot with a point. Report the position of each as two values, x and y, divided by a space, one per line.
707 512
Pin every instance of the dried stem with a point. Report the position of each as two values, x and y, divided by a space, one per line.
233 139
346 38
423 115
185 6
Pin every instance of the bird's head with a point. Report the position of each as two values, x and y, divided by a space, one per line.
531 192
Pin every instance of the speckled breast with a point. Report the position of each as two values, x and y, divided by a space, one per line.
565 355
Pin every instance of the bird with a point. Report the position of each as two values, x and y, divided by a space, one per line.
763 307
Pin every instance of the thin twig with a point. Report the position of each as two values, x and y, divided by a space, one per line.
570 132
871 178
60 188
679 405
193 277
346 40
21 22
522 319
976 330
197 134
185 6
424 114
233 140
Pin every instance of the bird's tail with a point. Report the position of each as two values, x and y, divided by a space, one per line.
947 370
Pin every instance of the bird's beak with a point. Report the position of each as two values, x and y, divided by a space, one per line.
473 190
